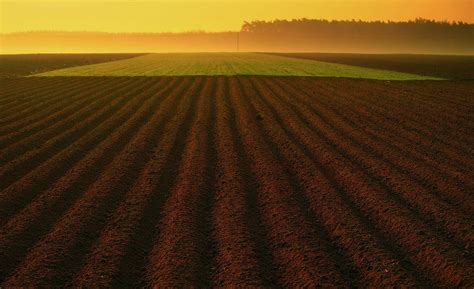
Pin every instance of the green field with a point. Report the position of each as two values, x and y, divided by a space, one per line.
180 64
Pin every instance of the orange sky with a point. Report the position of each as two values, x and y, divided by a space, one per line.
187 15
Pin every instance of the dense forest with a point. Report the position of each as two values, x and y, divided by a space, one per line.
418 36
297 35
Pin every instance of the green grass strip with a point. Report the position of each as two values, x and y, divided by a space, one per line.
186 64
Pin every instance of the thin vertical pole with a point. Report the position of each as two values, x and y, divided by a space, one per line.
238 41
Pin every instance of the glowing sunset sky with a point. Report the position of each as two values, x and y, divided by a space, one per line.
188 15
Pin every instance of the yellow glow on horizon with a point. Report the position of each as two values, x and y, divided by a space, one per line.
192 15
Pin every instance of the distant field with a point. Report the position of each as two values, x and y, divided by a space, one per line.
444 66
26 64
193 64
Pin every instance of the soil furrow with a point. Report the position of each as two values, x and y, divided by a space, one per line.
78 99
239 181
125 241
31 111
66 244
411 192
52 169
352 101
292 235
241 259
412 124
427 117
12 87
42 90
180 256
442 180
27 226
338 216
390 217
45 126
24 93
429 94
379 129
16 168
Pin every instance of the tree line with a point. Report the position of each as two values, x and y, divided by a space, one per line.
297 35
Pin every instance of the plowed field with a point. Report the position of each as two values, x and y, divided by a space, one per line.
250 181
444 66
26 64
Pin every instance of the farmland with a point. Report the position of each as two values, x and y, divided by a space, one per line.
443 66
27 64
199 64
242 180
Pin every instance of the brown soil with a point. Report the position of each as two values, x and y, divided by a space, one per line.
236 181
